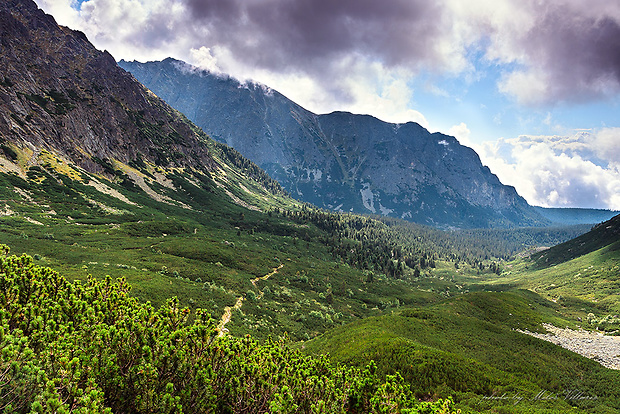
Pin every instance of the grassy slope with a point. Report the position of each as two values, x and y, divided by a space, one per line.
592 277
600 236
206 255
467 347
582 273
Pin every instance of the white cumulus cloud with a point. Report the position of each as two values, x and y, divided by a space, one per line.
552 172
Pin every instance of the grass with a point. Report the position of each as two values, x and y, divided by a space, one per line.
449 331
467 347
590 279
206 254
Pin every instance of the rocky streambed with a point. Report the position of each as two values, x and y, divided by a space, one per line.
604 349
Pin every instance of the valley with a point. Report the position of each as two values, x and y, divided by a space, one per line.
146 267
273 274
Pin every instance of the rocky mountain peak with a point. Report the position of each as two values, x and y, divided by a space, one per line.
342 161
59 93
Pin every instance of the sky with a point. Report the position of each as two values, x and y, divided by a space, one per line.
533 86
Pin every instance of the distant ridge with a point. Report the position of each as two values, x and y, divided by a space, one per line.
601 235
342 161
570 216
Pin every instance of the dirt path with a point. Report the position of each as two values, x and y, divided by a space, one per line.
604 349
267 276
228 310
227 315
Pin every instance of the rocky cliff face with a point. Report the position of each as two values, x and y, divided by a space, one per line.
58 93
342 161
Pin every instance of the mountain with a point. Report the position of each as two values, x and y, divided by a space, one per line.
572 216
64 102
342 161
602 235
61 94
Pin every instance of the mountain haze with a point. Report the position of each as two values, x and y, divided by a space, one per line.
571 216
342 161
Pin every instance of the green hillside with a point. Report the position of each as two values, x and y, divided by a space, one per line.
467 347
590 282
601 235
582 274
265 265
205 237
211 239
90 348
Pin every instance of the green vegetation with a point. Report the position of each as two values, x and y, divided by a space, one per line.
90 348
601 235
469 346
436 308
466 347
204 248
589 283
581 274
252 170
198 243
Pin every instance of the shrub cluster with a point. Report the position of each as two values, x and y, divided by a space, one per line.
91 348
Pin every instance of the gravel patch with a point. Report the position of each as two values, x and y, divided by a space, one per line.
604 349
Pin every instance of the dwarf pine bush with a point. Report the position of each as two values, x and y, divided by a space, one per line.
91 348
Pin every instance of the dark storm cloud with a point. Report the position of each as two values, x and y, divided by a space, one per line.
218 9
573 48
581 53
578 49
565 50
309 34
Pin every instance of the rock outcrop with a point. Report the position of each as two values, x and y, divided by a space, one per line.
59 93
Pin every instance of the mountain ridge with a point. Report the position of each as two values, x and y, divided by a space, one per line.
342 161
570 216
64 95
601 235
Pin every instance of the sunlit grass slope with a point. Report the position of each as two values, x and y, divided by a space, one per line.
468 347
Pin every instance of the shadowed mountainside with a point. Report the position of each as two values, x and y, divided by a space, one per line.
342 161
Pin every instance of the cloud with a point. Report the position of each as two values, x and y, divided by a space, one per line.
462 133
331 49
566 50
353 55
606 144
386 97
556 171
311 34
204 59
